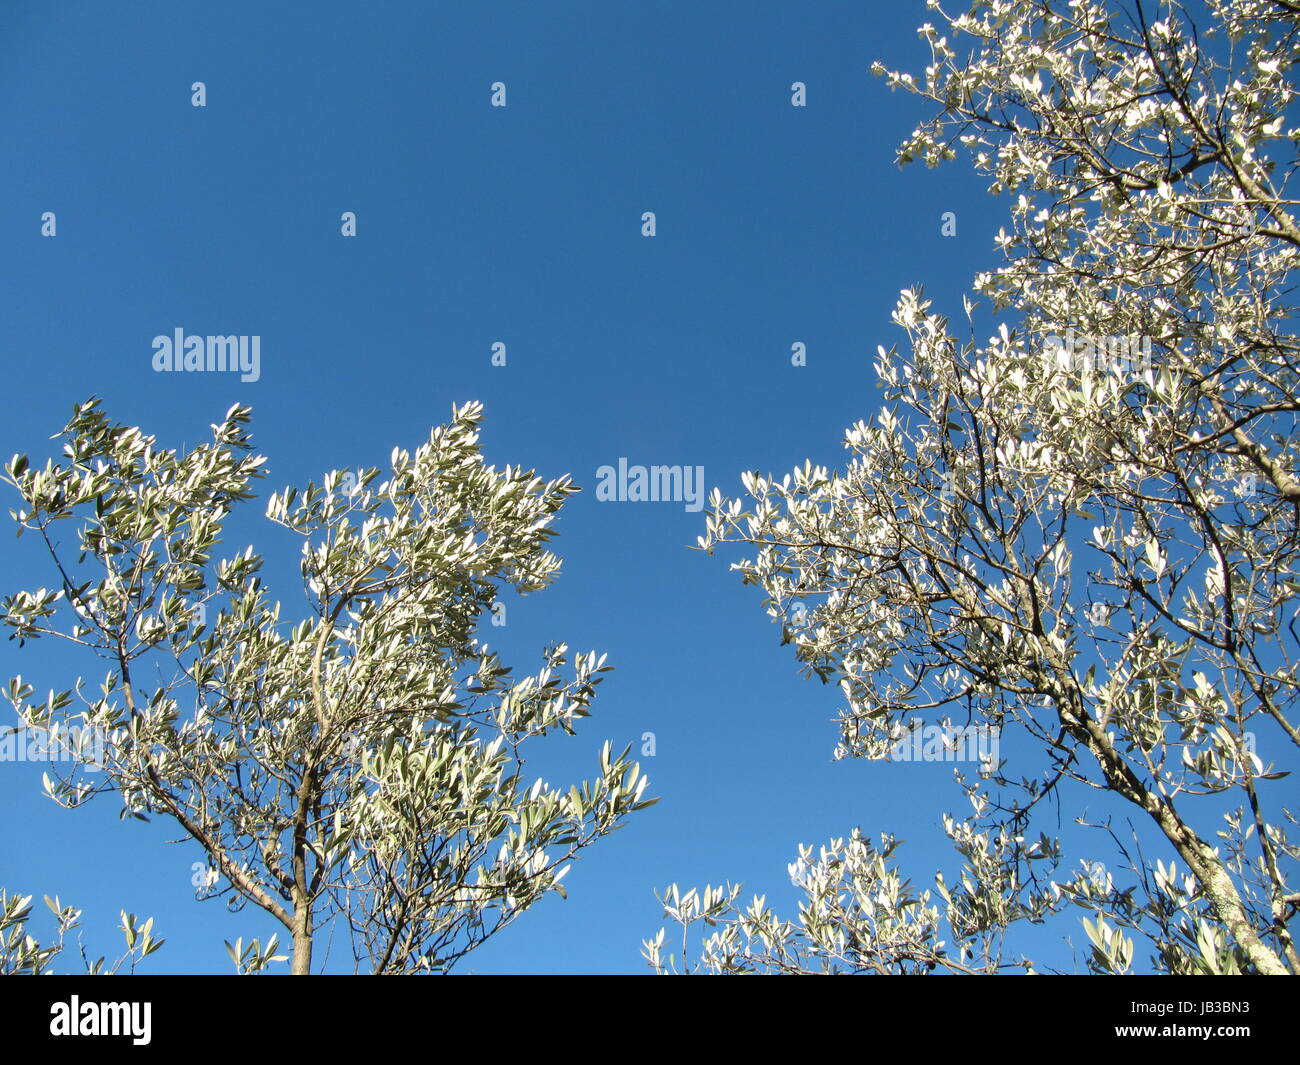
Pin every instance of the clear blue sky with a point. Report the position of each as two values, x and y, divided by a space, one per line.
476 224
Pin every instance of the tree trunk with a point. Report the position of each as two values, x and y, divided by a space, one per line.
302 944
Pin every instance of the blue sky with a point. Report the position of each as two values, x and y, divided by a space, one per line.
522 225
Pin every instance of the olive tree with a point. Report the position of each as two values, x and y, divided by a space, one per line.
1080 531
22 954
362 766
